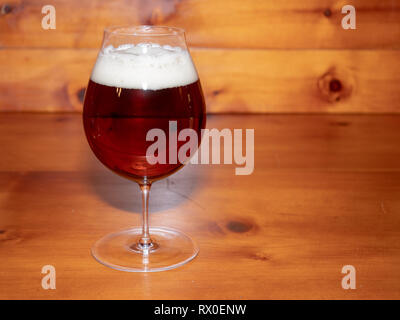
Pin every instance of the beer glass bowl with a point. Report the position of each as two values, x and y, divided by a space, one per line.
143 79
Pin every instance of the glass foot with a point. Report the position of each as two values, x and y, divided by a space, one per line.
120 251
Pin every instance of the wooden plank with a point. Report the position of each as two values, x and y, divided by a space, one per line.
291 81
299 142
209 23
44 80
301 222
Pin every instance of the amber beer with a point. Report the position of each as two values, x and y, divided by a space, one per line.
119 109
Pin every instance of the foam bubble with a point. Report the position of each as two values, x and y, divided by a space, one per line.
145 66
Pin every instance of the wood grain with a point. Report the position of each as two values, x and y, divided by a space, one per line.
273 81
310 24
324 194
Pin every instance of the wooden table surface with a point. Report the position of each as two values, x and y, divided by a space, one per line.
325 193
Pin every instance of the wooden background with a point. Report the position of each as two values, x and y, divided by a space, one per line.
325 191
252 56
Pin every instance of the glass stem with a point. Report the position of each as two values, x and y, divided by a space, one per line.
145 240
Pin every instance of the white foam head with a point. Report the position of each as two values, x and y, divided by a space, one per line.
145 66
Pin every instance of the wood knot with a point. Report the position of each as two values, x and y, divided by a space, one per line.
261 256
62 119
238 226
81 94
327 13
10 236
340 123
217 92
335 85
5 9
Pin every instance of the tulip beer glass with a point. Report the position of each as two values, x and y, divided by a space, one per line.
143 79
